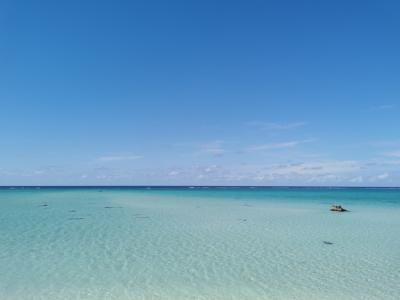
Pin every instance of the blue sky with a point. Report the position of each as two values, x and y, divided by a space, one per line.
200 92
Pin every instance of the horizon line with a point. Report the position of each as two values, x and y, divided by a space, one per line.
196 186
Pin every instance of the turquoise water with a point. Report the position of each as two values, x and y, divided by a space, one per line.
199 243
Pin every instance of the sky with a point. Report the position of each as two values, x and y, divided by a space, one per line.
200 92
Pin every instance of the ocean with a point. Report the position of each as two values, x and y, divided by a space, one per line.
199 243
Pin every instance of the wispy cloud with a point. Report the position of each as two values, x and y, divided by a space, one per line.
382 176
322 172
383 107
110 158
303 172
214 148
173 173
357 179
319 172
393 153
384 143
281 145
276 126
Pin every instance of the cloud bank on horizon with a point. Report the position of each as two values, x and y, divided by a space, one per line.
200 93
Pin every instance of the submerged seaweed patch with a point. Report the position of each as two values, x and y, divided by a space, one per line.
327 243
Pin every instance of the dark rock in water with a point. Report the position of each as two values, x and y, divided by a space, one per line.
338 208
72 211
75 218
327 243
44 205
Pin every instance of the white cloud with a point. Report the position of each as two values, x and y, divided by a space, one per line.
276 126
281 145
325 172
173 173
358 179
324 178
307 171
393 153
320 168
382 176
216 151
210 169
118 158
214 148
383 107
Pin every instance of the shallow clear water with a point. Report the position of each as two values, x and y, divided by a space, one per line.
203 243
